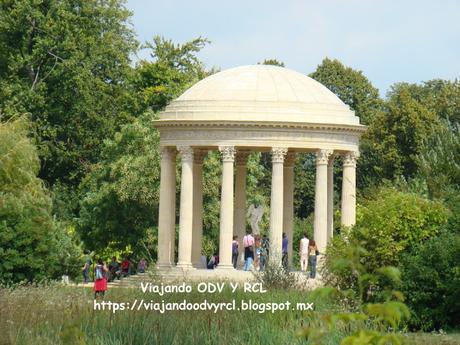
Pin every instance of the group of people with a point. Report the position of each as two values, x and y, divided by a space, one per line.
104 273
256 250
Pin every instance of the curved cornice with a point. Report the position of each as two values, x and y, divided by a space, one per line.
176 124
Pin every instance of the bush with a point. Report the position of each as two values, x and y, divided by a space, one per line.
388 225
393 221
431 280
275 277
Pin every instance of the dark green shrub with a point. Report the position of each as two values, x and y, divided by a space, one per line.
431 282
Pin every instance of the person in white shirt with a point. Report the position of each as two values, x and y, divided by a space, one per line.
303 252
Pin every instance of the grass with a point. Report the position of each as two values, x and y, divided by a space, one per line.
64 315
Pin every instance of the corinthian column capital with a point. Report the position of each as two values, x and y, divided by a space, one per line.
278 154
350 158
228 153
322 156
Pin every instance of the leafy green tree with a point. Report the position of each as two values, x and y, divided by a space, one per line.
66 63
120 195
355 90
442 97
32 245
172 69
397 136
351 86
440 160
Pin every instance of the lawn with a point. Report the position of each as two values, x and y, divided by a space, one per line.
65 315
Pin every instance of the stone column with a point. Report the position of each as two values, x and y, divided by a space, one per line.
167 209
320 224
330 198
239 219
288 202
349 188
226 208
276 205
186 207
172 193
197 233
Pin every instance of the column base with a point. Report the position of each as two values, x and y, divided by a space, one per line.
225 267
185 265
164 266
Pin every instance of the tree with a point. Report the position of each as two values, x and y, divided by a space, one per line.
439 162
272 62
442 97
65 63
173 69
32 245
120 195
351 86
398 135
355 90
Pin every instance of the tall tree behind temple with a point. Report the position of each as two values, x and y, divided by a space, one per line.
351 86
65 63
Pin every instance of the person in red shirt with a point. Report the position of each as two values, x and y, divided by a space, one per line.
100 279
126 267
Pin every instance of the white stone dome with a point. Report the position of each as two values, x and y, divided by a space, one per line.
260 93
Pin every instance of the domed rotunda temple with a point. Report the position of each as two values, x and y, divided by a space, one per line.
238 111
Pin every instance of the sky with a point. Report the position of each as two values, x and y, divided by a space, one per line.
389 41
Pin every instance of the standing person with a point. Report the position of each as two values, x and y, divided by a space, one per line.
248 244
235 251
285 251
100 279
142 266
265 248
312 256
303 252
85 269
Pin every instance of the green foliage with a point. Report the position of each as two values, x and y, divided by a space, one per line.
174 68
113 208
431 277
440 161
439 96
388 225
32 245
398 135
66 63
392 222
351 86
272 62
276 277
357 321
